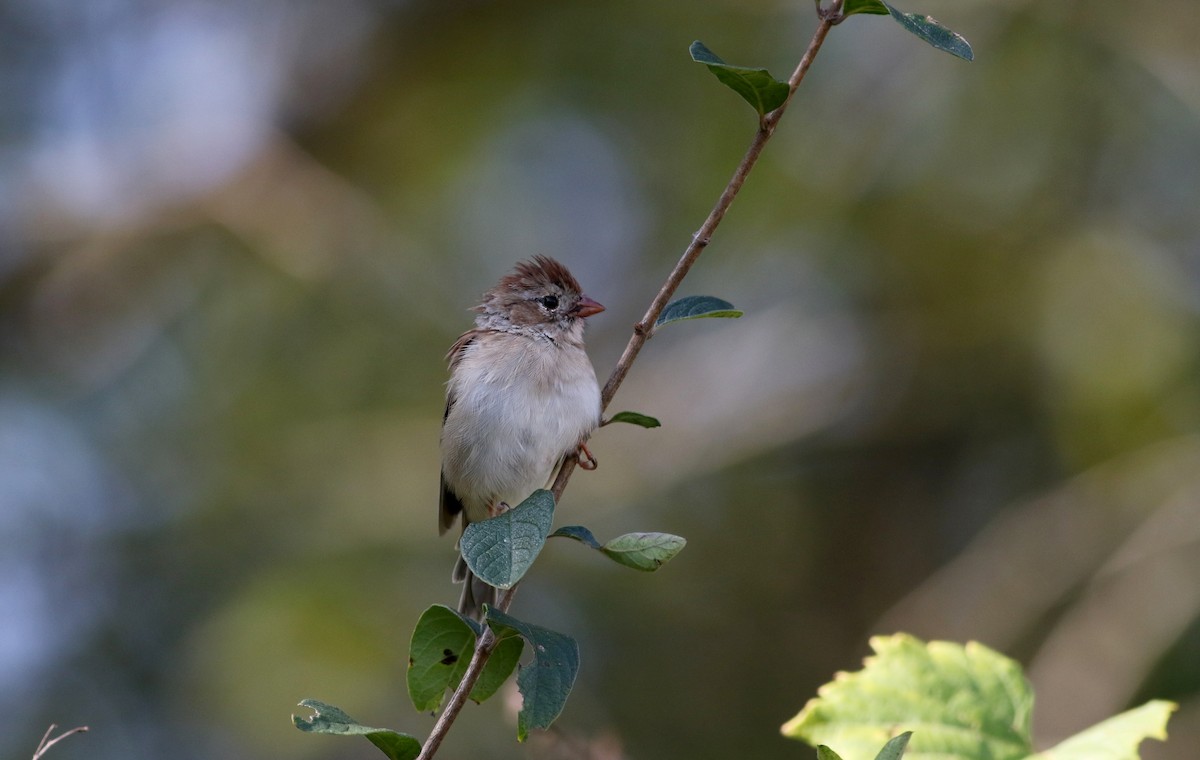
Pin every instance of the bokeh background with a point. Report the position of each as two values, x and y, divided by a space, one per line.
236 240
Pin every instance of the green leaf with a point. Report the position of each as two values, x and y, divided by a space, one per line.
643 551
895 747
499 551
635 418
499 667
696 307
930 30
546 682
1116 738
893 750
757 87
850 7
969 702
579 533
330 720
441 647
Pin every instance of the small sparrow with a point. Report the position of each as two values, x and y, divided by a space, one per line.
522 397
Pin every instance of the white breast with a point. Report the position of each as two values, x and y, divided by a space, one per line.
520 404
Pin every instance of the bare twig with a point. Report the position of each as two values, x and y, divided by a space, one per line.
829 16
46 743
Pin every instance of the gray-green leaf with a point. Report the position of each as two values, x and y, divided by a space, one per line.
328 719
635 418
546 682
499 551
756 86
696 307
644 551
641 551
579 533
925 27
893 750
895 747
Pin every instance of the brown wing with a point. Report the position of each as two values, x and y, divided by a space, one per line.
455 354
450 506
449 509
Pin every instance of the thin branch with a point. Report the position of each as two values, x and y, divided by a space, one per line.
641 333
484 646
643 329
46 743
483 650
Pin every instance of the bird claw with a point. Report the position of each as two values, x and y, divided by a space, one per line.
497 509
587 460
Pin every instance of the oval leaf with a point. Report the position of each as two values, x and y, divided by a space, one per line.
757 87
644 551
696 307
968 701
825 753
546 682
579 533
850 7
441 646
933 32
895 747
498 668
635 418
499 551
330 720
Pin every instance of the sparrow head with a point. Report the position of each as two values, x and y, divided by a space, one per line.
538 296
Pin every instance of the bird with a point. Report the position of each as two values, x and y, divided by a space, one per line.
522 396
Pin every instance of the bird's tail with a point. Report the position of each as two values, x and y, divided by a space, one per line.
475 592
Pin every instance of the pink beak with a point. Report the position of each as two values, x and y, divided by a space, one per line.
587 307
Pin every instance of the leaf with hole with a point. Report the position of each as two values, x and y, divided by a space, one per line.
500 551
696 307
546 682
441 648
756 86
328 719
635 418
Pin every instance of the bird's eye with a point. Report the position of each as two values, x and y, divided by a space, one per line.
550 302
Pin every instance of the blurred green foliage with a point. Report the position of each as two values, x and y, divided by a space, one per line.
236 240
